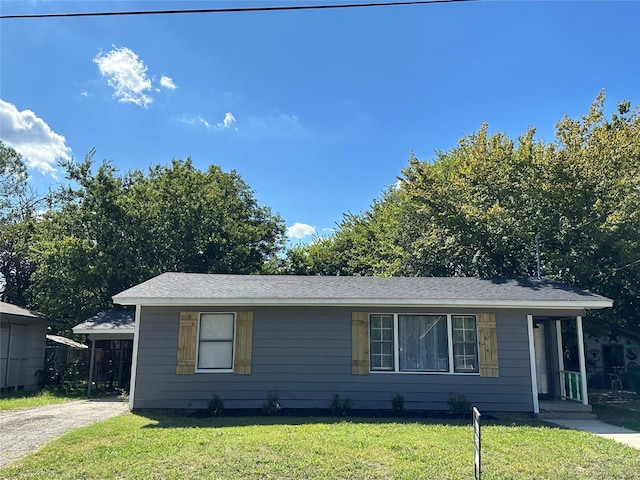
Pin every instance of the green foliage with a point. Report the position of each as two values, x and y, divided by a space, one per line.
476 209
397 403
459 405
340 406
67 379
215 406
272 404
110 231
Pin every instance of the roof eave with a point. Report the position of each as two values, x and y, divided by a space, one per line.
366 302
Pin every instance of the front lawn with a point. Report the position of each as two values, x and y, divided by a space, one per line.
169 447
14 401
617 408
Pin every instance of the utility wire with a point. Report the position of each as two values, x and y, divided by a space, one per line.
230 10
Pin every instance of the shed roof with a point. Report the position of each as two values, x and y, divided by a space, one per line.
237 290
11 309
109 321
66 341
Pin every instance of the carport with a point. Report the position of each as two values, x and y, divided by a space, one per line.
111 333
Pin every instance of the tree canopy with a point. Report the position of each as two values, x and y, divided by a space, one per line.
476 209
108 231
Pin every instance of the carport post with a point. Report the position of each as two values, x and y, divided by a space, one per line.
91 361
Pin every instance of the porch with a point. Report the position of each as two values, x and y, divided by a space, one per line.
558 366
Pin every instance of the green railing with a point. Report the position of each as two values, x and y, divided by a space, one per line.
571 386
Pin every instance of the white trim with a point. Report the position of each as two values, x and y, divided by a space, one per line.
233 345
563 392
532 364
396 345
134 360
366 302
104 331
581 358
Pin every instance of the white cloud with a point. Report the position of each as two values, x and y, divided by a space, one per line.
228 120
32 138
127 75
84 93
167 82
204 122
300 230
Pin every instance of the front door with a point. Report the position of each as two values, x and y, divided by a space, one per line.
543 361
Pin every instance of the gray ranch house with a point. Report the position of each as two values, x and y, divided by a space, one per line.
496 341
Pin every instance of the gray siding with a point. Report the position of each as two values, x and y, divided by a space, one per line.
305 355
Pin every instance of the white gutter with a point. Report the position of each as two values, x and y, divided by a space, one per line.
366 302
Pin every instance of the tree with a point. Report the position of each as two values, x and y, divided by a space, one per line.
109 232
18 206
476 210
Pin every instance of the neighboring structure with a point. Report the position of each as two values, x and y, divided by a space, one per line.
111 333
22 346
496 341
610 356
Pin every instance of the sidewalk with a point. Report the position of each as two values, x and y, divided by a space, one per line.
598 427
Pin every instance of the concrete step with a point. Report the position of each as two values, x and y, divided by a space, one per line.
566 416
563 406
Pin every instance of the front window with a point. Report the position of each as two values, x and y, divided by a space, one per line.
215 341
423 343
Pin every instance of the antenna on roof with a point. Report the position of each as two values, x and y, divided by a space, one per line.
538 253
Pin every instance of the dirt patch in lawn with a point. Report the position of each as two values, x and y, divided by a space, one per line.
25 431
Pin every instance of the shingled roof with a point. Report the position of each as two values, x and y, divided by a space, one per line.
11 309
236 290
109 321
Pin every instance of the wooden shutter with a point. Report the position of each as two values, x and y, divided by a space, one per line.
244 343
187 342
487 345
360 343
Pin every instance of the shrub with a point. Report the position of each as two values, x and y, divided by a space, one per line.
458 404
340 406
216 406
397 403
272 404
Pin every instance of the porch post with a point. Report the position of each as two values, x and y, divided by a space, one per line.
563 392
532 364
581 357
91 362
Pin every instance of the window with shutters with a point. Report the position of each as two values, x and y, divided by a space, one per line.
215 342
423 343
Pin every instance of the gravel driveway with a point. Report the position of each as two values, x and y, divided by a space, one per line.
25 431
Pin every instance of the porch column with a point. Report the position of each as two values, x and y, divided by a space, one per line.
91 362
563 392
532 364
581 357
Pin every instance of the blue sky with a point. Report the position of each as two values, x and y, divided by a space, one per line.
317 110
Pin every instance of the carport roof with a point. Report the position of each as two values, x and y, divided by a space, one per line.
109 321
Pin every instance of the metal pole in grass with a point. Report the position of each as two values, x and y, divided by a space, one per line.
477 444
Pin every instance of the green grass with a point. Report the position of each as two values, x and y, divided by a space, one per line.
13 401
168 447
621 416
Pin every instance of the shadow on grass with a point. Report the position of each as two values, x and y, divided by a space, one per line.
245 418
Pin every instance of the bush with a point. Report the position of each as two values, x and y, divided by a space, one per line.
397 403
338 406
216 406
272 405
459 405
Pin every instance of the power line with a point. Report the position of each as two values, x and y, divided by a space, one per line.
230 10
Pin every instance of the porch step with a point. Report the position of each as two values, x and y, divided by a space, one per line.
565 409
566 416
563 406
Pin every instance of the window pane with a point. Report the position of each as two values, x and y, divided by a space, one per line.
216 327
215 355
465 346
423 343
381 342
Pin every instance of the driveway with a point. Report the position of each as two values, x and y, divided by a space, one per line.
25 431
